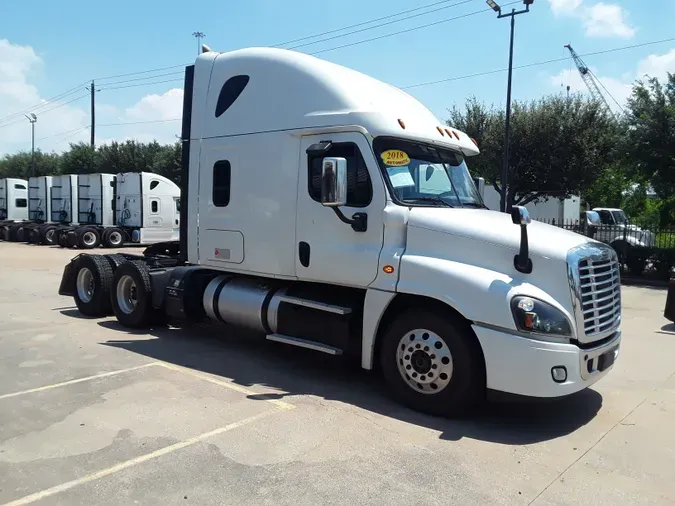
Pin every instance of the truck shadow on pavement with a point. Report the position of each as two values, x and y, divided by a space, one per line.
249 360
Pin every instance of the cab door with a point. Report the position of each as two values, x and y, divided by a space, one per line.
327 249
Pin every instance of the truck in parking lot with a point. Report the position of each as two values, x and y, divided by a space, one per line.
132 207
331 211
13 203
39 211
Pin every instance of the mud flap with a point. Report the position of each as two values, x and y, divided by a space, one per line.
67 286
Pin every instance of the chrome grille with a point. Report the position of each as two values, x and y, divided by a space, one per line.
600 291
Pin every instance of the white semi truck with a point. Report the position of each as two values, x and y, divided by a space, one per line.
13 202
331 211
132 207
39 211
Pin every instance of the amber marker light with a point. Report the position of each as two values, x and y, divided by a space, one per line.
388 269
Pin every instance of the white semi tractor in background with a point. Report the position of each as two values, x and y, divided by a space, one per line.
328 210
89 210
132 207
13 201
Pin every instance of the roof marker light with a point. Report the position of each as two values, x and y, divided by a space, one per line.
456 134
440 131
447 131
400 122
474 141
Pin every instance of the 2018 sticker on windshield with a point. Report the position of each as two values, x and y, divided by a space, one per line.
395 158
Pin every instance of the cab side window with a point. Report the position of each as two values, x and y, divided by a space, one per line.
606 217
359 186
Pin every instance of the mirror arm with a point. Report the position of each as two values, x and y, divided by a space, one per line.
359 221
522 261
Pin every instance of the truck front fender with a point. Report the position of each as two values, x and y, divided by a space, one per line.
478 294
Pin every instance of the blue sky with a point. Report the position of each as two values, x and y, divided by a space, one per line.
49 47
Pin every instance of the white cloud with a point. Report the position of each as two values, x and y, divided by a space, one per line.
60 124
600 20
19 64
607 20
657 65
619 87
564 6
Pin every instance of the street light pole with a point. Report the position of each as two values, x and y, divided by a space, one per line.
199 36
33 119
507 134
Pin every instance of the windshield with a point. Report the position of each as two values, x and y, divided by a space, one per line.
421 174
620 217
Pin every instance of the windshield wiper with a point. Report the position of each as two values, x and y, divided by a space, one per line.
437 200
474 204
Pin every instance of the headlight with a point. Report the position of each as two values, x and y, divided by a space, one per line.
534 316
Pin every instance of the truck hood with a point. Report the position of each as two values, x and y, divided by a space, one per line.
495 229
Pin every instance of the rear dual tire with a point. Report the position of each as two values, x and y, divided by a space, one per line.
131 296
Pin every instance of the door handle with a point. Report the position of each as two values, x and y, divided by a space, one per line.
303 253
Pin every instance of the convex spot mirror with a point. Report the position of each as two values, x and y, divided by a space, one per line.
520 216
592 219
334 182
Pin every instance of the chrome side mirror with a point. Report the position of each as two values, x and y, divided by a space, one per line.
520 216
592 219
333 182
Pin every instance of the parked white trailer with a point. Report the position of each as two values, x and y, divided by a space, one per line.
548 209
139 208
327 210
13 204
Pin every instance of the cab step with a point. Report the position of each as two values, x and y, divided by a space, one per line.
321 306
304 343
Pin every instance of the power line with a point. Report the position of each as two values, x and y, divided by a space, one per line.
361 24
535 64
72 135
61 133
427 25
457 4
141 84
143 78
142 72
141 122
36 107
42 113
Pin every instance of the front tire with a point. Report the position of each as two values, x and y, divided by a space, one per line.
433 364
131 296
93 280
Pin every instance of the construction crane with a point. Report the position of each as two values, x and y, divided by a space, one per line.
589 79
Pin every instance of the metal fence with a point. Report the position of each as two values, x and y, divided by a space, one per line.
620 234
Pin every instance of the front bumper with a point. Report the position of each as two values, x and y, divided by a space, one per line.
522 366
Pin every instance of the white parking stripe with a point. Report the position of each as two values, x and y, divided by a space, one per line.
79 380
138 460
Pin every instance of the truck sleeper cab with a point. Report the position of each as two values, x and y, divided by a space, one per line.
127 208
13 203
347 222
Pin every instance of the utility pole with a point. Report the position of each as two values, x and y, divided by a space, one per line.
92 89
199 36
33 119
507 134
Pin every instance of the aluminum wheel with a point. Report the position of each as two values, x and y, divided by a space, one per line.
49 236
424 361
126 294
89 238
115 238
85 285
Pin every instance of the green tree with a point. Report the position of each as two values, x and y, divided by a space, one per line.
20 164
559 146
651 134
168 162
81 158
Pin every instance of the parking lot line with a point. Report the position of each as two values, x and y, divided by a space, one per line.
79 380
231 386
138 460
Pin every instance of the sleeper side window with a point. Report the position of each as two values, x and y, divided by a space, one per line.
21 203
222 173
359 186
